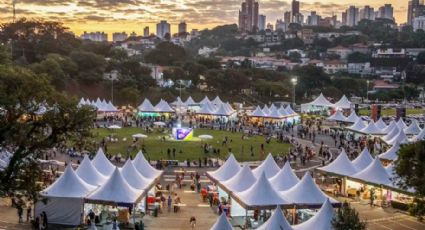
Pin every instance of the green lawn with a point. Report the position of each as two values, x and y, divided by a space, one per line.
157 149
391 112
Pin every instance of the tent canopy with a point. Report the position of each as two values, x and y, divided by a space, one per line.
144 168
363 160
102 164
337 116
343 103
89 173
380 124
222 223
284 179
134 178
321 101
163 107
390 154
276 221
340 166
115 191
268 166
257 112
371 129
375 173
358 125
352 118
413 129
229 169
322 219
146 106
243 180
306 193
69 185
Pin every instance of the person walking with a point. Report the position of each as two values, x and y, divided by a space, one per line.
192 222
29 209
169 203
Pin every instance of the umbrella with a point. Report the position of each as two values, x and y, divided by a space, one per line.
114 127
139 135
159 123
205 137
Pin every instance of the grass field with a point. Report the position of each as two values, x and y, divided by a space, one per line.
157 148
391 112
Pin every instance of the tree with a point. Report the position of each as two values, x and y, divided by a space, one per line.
410 168
4 55
347 218
358 57
166 53
29 133
90 65
420 59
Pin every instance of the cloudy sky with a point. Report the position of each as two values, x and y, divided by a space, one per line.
132 15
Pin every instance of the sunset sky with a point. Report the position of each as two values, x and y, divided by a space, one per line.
132 15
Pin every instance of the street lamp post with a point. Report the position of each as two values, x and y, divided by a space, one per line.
367 90
294 82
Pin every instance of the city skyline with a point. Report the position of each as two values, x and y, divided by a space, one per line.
134 15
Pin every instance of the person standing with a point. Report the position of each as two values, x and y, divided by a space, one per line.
169 203
29 209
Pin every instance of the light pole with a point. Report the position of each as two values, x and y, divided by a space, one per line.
367 90
113 76
294 82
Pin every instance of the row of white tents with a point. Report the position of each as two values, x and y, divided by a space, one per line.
190 102
321 221
268 187
366 169
321 102
395 132
96 182
100 105
161 107
273 112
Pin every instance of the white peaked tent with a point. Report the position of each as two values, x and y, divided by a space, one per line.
371 129
274 113
217 101
190 101
375 173
111 107
266 110
243 180
352 118
272 106
229 169
260 194
340 166
321 101
284 112
146 106
221 111
268 166
222 223
115 191
420 136
206 109
144 168
178 102
337 116
363 160
69 185
390 127
358 125
380 124
229 107
205 101
390 154
290 111
102 164
343 103
89 173
82 101
392 133
306 193
134 178
65 199
276 221
321 221
163 107
284 179
401 124
257 112
413 129
401 138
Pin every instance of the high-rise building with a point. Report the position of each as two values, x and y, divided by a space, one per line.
182 27
162 29
418 23
146 31
119 37
386 11
280 25
95 36
313 19
352 16
133 34
295 7
344 18
248 16
297 17
415 9
287 17
367 13
261 22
